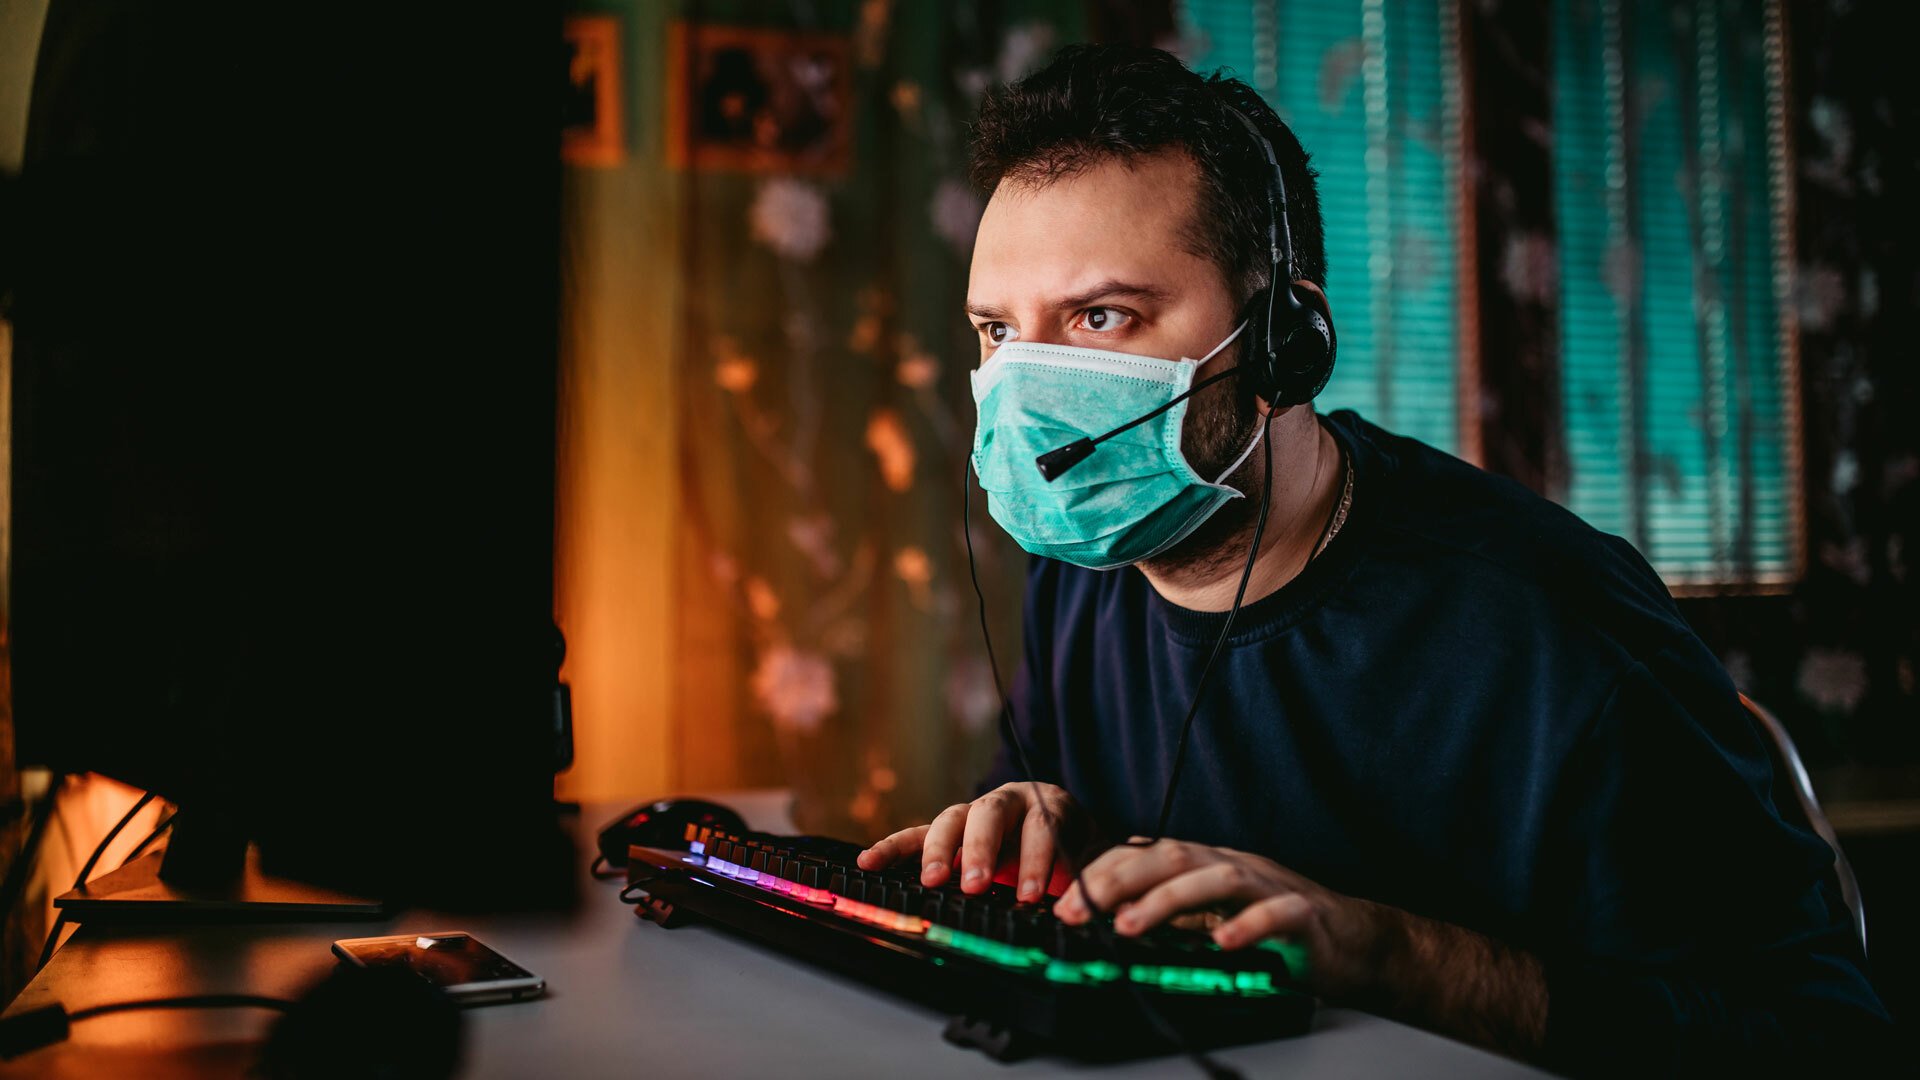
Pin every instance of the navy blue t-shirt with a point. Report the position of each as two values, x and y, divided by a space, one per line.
1475 707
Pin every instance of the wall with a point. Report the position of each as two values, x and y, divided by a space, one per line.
20 22
619 433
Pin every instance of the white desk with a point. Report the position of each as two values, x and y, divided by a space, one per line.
624 998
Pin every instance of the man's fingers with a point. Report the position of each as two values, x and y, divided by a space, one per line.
982 826
1207 885
1288 913
941 843
988 822
893 848
1125 872
1072 905
1036 855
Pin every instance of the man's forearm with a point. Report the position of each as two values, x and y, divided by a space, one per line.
1459 983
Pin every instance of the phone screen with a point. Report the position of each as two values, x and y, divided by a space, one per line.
445 960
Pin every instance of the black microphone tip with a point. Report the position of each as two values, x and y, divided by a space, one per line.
1056 462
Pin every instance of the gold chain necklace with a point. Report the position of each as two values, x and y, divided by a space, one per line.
1340 512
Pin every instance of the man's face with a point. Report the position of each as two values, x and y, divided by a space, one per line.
1100 260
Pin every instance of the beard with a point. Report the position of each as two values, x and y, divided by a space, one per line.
1217 430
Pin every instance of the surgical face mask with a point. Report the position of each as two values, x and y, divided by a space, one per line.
1136 497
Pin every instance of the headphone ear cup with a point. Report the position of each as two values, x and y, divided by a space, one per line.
1305 359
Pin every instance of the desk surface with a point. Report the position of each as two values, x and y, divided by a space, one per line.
623 997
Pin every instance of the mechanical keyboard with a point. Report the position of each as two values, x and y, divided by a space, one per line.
1016 979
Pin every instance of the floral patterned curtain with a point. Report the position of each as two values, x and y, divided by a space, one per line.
826 627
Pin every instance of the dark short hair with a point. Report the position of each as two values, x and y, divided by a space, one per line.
1096 103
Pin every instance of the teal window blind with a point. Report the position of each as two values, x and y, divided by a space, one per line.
1372 90
1678 372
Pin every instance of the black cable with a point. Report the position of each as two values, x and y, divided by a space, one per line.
1097 918
106 841
192 1001
60 921
31 1029
158 830
1219 644
17 874
53 936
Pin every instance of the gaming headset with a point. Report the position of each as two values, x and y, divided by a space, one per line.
1289 344
1290 347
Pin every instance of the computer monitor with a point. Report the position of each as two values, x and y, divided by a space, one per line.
284 287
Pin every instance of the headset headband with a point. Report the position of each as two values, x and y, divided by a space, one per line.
1279 229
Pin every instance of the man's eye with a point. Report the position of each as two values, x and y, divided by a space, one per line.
1104 319
999 333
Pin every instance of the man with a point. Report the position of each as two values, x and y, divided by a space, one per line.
1460 743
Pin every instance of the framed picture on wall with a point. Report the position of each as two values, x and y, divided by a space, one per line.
750 99
592 128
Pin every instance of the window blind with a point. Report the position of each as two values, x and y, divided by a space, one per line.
1371 89
1679 400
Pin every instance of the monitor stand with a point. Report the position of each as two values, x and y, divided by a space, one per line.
207 874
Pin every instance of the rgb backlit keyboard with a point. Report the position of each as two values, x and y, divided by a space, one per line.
1016 978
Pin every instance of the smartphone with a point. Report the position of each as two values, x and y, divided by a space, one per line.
453 960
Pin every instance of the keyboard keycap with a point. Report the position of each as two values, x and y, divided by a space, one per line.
1075 943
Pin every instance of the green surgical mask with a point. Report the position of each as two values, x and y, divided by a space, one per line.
1136 497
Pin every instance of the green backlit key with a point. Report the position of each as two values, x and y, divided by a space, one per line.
1012 956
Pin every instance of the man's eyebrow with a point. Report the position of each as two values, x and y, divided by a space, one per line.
1106 290
1110 290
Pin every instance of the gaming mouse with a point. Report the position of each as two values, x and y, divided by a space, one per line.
663 824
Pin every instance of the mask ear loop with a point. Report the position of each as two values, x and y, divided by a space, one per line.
1259 436
1216 1070
1259 429
1224 343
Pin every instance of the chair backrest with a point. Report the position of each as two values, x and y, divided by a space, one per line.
1788 758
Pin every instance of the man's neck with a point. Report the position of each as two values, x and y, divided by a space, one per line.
1307 479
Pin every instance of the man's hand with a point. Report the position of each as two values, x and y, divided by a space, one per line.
986 833
1442 977
1146 886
